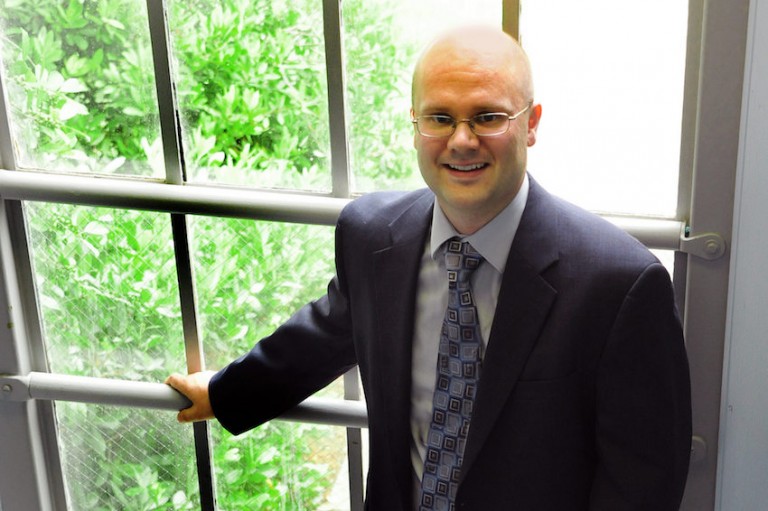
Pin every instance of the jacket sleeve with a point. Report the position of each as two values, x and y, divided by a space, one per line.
643 419
309 351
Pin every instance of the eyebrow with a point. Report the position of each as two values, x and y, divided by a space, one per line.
475 111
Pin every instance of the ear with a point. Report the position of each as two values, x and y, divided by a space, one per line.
533 123
415 131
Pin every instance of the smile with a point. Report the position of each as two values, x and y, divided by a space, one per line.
466 168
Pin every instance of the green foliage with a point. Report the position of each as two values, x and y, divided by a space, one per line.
271 468
109 297
80 82
251 275
251 85
107 284
379 68
119 458
258 99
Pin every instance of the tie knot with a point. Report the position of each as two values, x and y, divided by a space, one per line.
461 259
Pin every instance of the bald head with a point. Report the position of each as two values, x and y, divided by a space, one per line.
473 48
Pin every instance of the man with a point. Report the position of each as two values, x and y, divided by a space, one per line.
582 400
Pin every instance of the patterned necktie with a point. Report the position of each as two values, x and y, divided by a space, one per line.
458 371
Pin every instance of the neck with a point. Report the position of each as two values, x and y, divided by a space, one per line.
466 223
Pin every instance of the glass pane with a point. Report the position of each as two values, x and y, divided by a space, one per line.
123 458
80 84
251 276
611 87
382 39
108 292
252 92
282 466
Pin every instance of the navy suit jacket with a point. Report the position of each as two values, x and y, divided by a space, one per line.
584 398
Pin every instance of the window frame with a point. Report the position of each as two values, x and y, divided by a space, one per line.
710 128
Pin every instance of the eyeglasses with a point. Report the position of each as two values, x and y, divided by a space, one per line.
482 125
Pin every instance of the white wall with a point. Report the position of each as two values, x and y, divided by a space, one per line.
743 463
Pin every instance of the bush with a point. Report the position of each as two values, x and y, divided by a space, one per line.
251 89
251 86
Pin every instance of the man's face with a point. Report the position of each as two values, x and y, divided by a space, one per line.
473 177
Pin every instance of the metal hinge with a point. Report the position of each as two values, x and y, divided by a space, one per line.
709 245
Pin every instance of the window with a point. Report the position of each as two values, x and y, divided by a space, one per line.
169 179
79 82
610 135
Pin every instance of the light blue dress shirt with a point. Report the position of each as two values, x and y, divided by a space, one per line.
492 241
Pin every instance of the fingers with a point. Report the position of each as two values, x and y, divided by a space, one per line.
187 415
177 381
195 387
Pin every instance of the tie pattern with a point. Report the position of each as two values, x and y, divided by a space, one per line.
458 371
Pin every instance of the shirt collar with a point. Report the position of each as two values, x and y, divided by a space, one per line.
493 240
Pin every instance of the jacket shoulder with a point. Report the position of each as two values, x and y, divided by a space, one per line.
382 208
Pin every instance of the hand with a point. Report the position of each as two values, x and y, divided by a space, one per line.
195 387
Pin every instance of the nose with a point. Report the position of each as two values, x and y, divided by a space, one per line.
463 137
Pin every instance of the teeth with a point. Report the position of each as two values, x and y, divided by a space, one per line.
467 168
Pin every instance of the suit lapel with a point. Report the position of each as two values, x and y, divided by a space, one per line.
396 273
524 302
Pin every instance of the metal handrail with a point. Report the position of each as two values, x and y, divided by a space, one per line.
235 202
86 389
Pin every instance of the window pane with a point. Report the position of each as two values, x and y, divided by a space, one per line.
108 292
282 466
251 276
252 92
80 84
107 289
611 87
124 458
382 39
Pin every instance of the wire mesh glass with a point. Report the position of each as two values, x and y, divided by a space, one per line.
108 292
80 85
250 277
127 459
252 92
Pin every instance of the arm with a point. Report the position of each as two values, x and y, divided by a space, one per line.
306 353
643 415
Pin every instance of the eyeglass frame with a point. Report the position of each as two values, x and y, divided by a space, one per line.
471 122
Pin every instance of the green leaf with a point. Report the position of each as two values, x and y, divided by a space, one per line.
114 23
72 108
96 229
72 85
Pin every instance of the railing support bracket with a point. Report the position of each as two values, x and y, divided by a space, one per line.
708 246
14 388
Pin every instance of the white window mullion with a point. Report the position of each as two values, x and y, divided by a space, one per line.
720 73
166 97
34 479
174 172
337 114
7 156
341 178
